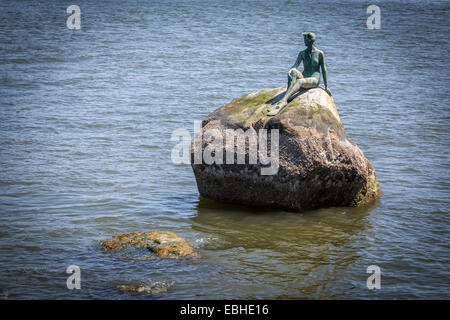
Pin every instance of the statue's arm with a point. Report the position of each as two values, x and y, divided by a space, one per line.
298 61
323 66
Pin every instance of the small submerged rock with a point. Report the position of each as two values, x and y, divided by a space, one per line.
149 287
164 244
141 289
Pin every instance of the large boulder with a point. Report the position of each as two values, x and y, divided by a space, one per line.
318 165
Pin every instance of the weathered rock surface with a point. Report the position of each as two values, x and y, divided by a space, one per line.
164 244
319 166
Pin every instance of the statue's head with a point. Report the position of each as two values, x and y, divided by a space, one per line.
308 38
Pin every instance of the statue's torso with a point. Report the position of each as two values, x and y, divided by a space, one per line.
311 64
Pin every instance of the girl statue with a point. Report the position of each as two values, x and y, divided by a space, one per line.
313 59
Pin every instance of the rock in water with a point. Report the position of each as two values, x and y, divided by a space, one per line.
319 166
152 288
164 244
140 289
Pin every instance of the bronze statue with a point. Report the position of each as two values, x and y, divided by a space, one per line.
313 59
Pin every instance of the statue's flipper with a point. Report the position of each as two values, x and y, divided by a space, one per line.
276 108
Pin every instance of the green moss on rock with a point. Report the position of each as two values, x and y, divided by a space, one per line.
255 98
251 108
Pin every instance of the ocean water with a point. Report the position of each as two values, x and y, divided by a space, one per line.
86 118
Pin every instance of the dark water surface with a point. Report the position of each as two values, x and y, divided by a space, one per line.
85 150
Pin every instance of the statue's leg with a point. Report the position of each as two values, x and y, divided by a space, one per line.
292 77
297 84
293 87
